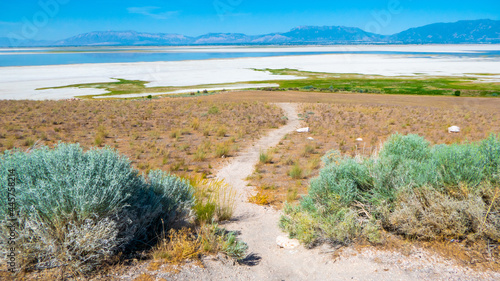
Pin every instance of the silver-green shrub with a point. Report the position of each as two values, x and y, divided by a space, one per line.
77 208
410 188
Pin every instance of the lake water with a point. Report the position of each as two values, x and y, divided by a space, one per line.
84 55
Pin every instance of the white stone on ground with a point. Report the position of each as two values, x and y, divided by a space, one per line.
287 243
453 129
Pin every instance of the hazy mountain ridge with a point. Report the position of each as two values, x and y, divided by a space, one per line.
481 31
471 31
333 34
123 38
14 42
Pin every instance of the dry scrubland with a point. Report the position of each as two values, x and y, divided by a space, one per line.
337 120
181 136
190 136
284 171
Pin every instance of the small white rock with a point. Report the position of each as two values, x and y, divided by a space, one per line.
303 130
454 129
359 139
287 243
309 138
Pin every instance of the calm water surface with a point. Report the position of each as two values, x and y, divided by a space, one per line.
58 56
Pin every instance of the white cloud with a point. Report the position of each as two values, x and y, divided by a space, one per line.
153 12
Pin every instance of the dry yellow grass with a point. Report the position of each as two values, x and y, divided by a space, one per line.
259 199
183 136
190 244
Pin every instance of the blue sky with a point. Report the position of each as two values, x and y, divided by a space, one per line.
58 19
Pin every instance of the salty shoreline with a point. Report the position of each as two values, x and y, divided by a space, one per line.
435 48
22 82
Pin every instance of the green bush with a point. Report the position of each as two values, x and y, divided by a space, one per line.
79 208
409 188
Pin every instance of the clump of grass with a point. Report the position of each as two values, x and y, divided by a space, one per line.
265 157
259 199
288 161
98 140
215 200
313 164
183 244
222 149
409 188
292 194
175 134
308 149
100 135
177 246
178 165
206 132
200 154
296 171
185 147
29 142
213 110
268 187
221 132
195 123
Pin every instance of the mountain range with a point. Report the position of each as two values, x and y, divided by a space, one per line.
462 32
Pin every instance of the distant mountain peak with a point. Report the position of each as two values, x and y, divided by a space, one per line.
463 31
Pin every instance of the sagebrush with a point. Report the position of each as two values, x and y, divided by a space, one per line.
77 209
409 188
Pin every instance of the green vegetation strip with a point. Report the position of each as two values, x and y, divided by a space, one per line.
418 85
410 188
319 82
125 87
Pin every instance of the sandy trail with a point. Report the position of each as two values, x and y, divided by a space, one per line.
258 227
